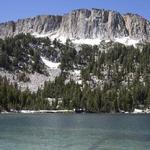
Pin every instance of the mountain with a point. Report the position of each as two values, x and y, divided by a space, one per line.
82 25
37 72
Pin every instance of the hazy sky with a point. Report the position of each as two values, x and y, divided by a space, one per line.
15 9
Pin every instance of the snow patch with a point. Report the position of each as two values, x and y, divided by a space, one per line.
50 64
37 35
126 41
123 40
140 111
51 36
136 111
87 41
45 111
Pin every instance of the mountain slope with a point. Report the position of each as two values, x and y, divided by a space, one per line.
24 59
36 73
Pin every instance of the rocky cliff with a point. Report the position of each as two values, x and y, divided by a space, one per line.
82 24
39 24
137 26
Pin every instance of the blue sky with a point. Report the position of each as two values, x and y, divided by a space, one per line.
16 9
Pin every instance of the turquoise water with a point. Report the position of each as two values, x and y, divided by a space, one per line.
74 132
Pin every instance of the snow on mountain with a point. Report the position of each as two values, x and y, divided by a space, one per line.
41 35
87 41
123 40
127 41
50 64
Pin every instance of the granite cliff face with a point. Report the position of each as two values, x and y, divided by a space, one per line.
82 24
39 24
93 24
137 26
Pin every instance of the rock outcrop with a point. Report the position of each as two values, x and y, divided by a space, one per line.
82 24
39 24
137 26
93 24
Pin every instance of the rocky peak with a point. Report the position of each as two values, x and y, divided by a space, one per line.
38 24
82 24
137 26
95 23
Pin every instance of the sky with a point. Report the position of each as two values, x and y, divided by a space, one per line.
18 9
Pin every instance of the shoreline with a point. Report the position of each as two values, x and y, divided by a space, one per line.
37 111
136 111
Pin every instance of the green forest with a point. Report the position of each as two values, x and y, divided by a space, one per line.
122 75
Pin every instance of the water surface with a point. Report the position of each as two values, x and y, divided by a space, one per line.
74 132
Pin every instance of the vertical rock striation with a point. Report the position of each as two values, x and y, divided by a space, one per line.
82 24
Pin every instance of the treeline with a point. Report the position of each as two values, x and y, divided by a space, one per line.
114 79
74 96
124 73
12 98
108 99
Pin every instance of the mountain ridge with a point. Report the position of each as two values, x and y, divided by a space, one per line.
93 23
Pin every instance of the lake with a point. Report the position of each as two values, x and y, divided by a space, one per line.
74 132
